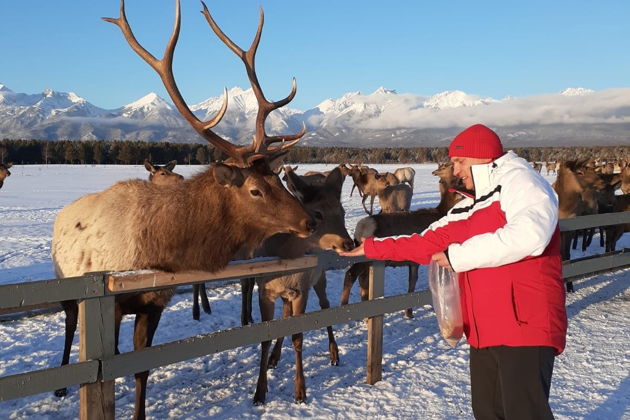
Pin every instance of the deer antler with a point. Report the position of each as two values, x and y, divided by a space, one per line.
262 142
164 68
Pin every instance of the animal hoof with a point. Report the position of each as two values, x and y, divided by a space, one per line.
334 362
61 392
300 400
408 314
259 401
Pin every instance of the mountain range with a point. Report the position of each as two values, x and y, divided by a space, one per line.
384 118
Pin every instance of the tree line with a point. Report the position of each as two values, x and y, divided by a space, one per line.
135 152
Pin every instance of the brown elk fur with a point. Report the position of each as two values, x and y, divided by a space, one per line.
4 172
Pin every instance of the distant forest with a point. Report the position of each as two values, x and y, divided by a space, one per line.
135 152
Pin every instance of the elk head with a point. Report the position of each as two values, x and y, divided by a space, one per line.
247 172
163 175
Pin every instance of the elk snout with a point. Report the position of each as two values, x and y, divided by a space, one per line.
307 227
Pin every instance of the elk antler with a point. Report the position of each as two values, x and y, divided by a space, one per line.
164 68
262 142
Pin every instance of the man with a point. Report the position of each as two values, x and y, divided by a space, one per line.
504 243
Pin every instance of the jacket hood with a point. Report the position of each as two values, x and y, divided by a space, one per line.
484 175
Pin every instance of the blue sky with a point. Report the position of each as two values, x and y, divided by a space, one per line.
487 48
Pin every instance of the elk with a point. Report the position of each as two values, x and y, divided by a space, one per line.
537 166
625 179
394 198
4 172
577 186
406 174
138 225
551 167
162 175
323 201
369 182
402 223
614 232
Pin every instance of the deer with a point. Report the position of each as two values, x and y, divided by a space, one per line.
135 224
625 179
577 186
323 200
537 166
614 232
402 223
4 172
551 167
162 175
369 182
406 175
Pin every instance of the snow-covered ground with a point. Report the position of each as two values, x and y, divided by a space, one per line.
423 378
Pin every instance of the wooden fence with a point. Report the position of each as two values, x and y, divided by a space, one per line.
98 366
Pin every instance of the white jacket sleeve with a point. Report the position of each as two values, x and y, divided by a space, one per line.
531 211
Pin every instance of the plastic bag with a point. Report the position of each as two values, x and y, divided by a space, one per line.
445 293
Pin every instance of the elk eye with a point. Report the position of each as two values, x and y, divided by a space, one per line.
319 215
255 193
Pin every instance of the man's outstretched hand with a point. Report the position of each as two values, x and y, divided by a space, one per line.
356 252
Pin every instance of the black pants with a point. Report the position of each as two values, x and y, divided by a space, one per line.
511 382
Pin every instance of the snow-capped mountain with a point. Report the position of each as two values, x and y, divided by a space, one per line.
383 118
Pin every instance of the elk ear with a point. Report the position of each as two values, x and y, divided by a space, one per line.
228 175
8 165
171 165
149 166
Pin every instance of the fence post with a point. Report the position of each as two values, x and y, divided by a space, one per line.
375 325
96 342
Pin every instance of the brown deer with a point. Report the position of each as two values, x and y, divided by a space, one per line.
394 198
551 167
138 225
4 172
406 175
163 175
614 232
369 182
323 201
402 223
577 186
625 179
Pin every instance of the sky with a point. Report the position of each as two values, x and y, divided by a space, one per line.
423 378
487 48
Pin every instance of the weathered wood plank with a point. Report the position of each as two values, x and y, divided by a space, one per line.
96 342
47 380
190 348
20 295
139 280
375 325
594 220
595 264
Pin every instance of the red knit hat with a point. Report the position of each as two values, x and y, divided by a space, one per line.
477 141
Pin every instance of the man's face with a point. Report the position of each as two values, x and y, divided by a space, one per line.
461 169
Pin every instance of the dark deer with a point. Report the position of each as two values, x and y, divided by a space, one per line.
137 225
4 172
323 201
401 223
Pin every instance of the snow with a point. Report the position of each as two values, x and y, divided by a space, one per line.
423 378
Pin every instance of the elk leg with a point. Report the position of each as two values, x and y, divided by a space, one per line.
247 291
348 280
195 306
143 332
266 314
299 305
205 304
274 358
413 279
363 203
371 205
71 308
320 290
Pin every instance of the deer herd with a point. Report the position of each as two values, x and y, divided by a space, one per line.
171 224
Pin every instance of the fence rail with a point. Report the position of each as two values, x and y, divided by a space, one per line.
98 366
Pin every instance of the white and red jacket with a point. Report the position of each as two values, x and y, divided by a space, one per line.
505 245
